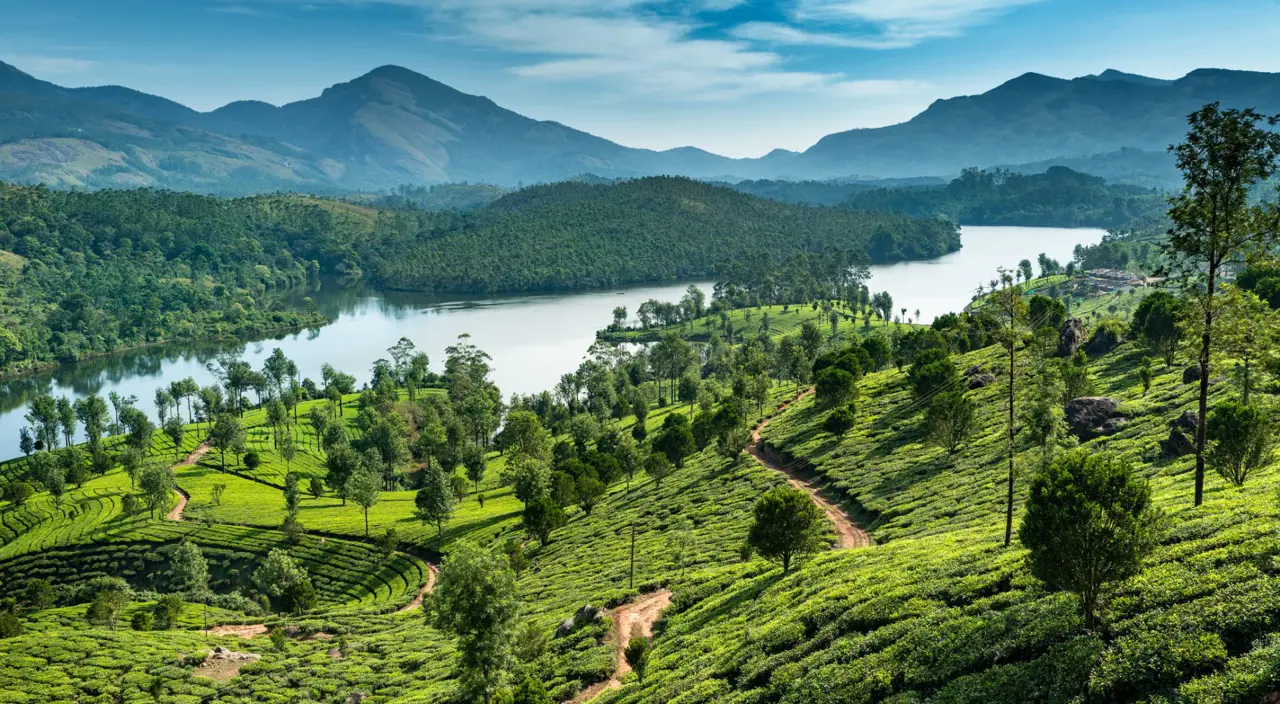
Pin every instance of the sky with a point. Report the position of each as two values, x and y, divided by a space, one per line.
735 77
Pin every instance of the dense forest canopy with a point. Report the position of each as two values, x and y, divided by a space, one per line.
579 235
1059 197
91 273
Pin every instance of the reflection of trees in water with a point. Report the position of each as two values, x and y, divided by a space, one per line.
92 376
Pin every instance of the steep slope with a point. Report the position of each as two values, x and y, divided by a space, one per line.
113 137
940 611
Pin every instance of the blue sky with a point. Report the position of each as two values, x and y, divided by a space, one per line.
737 77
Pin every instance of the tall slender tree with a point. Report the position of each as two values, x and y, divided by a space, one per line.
1214 223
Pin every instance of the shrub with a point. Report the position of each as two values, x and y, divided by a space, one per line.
141 621
835 387
840 421
252 460
10 626
1242 440
1088 522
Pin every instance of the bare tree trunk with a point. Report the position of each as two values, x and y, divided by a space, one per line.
1008 516
1205 346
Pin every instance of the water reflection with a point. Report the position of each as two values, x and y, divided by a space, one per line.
532 339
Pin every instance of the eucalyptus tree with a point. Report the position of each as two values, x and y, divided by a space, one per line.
1226 152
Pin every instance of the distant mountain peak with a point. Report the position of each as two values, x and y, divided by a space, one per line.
1112 75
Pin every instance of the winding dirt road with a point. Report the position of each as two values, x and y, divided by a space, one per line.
636 617
848 534
196 454
432 571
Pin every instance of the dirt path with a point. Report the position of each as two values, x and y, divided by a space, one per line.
176 513
639 615
246 631
432 571
196 454
848 534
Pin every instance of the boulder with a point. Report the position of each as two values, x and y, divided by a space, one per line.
1191 373
981 380
1103 341
1070 337
1188 422
1088 416
1178 444
975 370
1111 426
585 615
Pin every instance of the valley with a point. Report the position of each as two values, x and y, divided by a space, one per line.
385 393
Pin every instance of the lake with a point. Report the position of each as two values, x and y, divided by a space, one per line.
533 339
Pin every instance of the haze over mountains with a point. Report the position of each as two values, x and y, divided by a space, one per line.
393 126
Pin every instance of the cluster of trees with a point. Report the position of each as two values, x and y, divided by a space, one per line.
93 273
1059 197
52 468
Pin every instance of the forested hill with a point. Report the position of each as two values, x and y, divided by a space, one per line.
83 274
1059 197
580 235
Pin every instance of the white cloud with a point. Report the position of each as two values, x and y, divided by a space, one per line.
778 33
898 23
630 47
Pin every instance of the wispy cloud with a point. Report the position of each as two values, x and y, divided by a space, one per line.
682 49
49 65
877 24
246 10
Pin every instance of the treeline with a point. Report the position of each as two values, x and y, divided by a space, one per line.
441 196
84 274
1059 197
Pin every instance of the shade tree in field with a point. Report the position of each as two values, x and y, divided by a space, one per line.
541 517
434 503
285 582
475 600
1089 523
950 420
1242 440
1226 152
227 435
786 524
364 488
156 484
1156 324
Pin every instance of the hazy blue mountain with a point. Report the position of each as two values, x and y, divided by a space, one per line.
393 126
1034 118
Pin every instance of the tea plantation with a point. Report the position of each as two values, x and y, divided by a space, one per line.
938 610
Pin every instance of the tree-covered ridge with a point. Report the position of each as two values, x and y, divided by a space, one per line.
89 274
580 235
1059 197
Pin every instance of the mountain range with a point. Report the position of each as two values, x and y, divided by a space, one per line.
393 126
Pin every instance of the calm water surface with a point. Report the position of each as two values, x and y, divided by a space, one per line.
533 339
